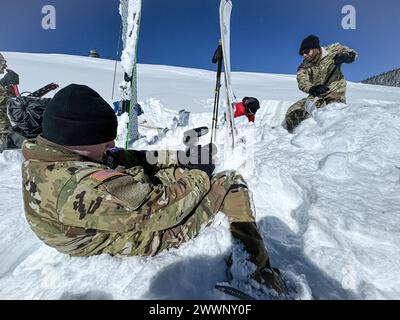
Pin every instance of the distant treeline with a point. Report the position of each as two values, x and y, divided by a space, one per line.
390 78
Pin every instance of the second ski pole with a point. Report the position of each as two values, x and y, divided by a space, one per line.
217 58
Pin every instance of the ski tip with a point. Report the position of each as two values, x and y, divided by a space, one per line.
233 292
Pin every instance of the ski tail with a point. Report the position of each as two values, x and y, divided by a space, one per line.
191 137
225 17
44 90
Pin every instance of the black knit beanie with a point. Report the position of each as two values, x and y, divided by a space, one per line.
311 42
78 116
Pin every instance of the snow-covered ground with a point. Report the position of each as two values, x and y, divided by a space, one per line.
327 198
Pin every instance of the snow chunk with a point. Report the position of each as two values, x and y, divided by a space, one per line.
335 165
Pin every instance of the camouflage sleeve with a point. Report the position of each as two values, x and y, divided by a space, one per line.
337 48
122 203
169 205
3 95
167 158
303 79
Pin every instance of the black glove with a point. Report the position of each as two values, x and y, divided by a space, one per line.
128 159
344 58
117 157
319 90
9 79
199 157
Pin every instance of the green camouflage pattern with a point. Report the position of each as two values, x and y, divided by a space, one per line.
316 72
4 121
79 215
73 211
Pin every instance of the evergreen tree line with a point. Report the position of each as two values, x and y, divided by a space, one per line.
390 78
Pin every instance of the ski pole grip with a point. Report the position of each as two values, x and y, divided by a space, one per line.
218 54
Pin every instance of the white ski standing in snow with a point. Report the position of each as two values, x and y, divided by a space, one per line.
225 10
130 11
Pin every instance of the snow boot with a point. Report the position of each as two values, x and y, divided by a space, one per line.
271 278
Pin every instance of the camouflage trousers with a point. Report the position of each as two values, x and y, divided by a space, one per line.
5 125
230 195
297 113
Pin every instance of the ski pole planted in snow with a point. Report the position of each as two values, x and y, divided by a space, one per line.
217 58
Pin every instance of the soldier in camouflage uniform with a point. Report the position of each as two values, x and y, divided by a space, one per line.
319 76
80 206
6 91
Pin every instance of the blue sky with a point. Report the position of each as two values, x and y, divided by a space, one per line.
265 33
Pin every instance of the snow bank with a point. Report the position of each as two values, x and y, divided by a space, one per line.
328 198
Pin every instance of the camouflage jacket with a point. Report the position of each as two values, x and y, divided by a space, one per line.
317 71
81 207
4 120
5 93
3 96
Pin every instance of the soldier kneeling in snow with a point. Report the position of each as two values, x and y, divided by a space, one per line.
320 76
77 204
